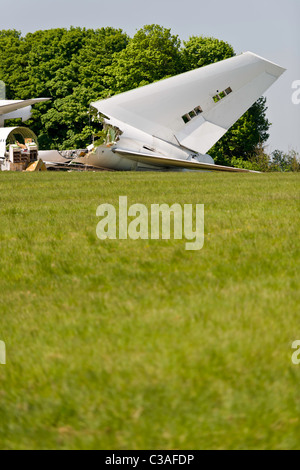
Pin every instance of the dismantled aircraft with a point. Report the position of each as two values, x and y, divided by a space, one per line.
170 124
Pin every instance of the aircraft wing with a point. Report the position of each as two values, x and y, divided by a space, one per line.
168 162
195 108
8 106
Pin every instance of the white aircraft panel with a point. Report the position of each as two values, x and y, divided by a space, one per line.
204 137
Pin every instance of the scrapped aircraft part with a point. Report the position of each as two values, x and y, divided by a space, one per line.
18 148
8 106
9 135
74 153
158 109
166 162
61 158
53 157
76 167
17 109
102 157
39 165
80 161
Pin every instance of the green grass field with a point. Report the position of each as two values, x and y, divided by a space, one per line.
124 344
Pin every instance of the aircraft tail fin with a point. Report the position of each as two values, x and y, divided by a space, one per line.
195 108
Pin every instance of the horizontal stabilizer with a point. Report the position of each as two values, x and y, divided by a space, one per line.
8 106
167 162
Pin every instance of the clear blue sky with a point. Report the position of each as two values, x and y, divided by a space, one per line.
268 28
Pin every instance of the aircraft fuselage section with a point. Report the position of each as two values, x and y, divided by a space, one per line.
125 154
106 156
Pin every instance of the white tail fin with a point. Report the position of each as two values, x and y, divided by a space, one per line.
195 108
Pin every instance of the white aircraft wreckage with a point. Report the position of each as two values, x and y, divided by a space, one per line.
171 124
167 125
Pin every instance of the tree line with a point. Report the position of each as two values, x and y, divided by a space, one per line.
77 66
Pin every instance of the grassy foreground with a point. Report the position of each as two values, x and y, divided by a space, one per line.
124 344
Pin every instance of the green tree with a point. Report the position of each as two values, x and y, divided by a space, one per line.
96 56
75 84
282 161
199 51
152 54
13 62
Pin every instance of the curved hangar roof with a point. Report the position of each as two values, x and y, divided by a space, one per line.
8 135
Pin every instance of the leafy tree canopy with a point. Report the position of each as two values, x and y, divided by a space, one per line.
199 51
152 54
